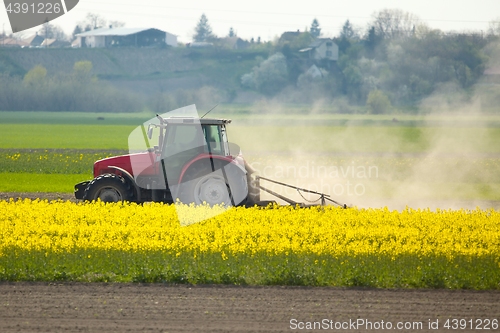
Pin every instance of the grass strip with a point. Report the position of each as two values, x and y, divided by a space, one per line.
378 271
29 182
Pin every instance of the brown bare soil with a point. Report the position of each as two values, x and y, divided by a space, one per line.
77 307
391 203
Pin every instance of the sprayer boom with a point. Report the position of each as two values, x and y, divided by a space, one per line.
323 198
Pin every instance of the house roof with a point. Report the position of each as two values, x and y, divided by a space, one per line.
233 42
50 42
7 41
316 43
114 32
34 40
290 35
230 40
492 70
319 41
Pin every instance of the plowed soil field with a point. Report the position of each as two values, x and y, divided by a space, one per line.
95 307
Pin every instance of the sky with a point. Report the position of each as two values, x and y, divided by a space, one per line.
268 19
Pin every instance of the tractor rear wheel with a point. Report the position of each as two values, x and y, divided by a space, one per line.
204 186
108 188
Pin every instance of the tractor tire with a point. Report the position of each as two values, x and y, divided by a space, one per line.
201 185
108 188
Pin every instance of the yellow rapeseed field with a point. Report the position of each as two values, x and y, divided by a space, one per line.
64 226
315 235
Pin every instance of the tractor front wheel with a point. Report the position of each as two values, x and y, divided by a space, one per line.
107 188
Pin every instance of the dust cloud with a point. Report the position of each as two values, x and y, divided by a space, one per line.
449 159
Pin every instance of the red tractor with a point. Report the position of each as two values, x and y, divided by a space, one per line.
193 162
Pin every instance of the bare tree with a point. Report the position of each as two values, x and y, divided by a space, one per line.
95 20
116 24
59 33
46 30
395 23
494 27
52 31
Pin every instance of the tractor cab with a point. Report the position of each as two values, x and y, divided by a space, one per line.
178 135
173 158
185 140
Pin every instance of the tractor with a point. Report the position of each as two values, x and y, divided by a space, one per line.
191 161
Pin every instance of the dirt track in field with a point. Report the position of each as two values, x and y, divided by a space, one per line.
37 195
367 203
75 307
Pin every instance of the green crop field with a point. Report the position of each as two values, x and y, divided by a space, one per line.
56 136
263 133
30 182
435 156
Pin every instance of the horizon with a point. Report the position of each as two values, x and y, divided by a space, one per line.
269 20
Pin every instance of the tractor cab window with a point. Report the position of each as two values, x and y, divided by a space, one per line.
182 138
183 143
213 139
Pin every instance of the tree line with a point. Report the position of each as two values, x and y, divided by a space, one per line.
398 60
78 90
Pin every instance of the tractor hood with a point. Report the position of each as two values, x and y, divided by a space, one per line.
143 163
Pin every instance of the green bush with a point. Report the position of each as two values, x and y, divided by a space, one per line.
378 102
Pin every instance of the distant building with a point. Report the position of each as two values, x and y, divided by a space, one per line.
53 43
289 36
200 45
12 42
34 40
491 75
233 43
125 37
322 48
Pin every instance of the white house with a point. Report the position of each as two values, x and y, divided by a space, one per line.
323 48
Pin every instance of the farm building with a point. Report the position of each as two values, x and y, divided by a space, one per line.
125 37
